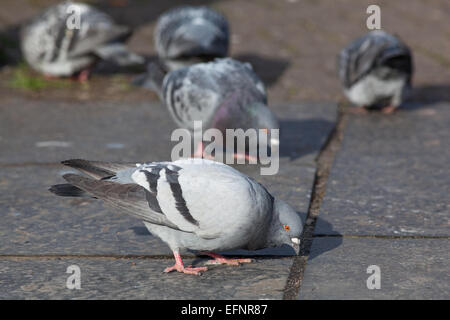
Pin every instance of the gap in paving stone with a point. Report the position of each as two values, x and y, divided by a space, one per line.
324 162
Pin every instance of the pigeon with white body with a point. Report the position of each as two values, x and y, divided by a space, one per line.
376 71
189 34
68 38
169 197
223 94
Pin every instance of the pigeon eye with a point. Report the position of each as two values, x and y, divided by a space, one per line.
286 227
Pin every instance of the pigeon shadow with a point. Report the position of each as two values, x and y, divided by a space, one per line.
10 53
333 239
301 137
423 96
267 68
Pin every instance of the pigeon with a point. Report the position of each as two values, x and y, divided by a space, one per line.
376 71
191 34
169 197
223 94
68 38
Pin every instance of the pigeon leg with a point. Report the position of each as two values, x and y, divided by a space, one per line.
219 259
388 110
199 152
83 76
178 266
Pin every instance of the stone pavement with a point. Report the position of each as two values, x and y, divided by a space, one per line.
41 234
386 204
388 201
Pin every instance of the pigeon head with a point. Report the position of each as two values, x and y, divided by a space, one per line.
286 226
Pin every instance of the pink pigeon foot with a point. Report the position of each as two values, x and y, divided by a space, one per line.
83 76
245 156
388 110
178 266
50 77
219 259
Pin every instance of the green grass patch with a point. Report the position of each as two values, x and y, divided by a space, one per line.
24 78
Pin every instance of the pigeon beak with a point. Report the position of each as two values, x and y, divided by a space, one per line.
296 245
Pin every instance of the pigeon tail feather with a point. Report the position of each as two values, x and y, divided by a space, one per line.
68 190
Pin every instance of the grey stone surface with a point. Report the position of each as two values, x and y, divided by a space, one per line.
34 221
105 278
391 175
409 269
113 131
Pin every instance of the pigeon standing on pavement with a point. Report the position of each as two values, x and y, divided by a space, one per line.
189 34
223 94
236 212
376 71
68 38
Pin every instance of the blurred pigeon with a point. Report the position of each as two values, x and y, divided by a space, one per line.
69 37
223 94
376 71
189 34
236 212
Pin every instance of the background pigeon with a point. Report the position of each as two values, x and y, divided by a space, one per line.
376 71
188 34
236 212
52 44
223 94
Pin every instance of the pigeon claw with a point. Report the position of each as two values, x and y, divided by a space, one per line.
388 110
188 270
229 262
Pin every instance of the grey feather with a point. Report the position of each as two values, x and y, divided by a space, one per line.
189 34
51 43
375 67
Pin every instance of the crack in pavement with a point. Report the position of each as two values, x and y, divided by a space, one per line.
324 163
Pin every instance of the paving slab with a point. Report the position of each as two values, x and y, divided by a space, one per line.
409 269
391 174
35 222
104 278
51 131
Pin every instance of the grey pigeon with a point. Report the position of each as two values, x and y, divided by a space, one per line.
190 34
223 94
169 197
376 71
55 45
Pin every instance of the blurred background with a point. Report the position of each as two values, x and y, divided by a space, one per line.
292 45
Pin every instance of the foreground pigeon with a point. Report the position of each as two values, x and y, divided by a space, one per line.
223 94
189 34
376 71
236 212
68 38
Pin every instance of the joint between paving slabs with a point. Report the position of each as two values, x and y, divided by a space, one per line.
324 163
